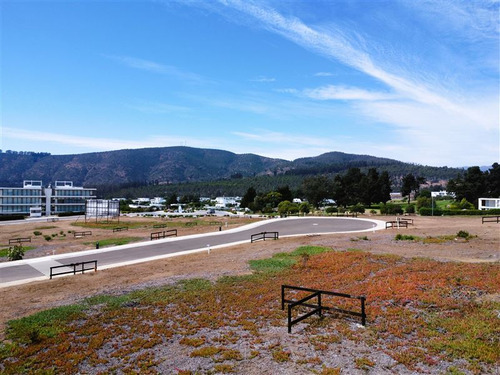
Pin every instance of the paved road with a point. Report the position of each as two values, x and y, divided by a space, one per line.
18 272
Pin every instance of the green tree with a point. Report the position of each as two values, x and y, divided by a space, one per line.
411 184
472 186
286 193
287 208
316 189
304 208
248 198
171 199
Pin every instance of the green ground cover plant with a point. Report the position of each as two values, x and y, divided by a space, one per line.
421 313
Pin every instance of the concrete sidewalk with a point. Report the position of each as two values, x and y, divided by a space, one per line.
27 270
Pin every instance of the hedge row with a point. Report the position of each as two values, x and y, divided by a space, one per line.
62 214
426 211
11 217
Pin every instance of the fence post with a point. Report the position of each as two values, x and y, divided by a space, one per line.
320 313
282 297
289 318
363 315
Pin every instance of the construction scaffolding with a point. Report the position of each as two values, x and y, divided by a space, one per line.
102 210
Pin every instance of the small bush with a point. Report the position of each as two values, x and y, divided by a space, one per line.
357 208
405 237
15 252
37 233
390 209
47 237
463 234
410 209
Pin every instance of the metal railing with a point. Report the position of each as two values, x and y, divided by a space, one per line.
263 236
76 267
164 234
319 306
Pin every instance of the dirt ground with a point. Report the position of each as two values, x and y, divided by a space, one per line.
19 301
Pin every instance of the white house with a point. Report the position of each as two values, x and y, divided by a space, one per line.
442 193
223 202
488 203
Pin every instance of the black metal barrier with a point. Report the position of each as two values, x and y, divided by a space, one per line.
263 236
319 307
82 234
19 240
120 229
77 267
165 233
490 219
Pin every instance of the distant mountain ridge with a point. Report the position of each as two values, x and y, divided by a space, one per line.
165 165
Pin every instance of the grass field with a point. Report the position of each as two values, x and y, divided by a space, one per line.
423 316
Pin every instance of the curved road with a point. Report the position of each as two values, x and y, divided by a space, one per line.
18 272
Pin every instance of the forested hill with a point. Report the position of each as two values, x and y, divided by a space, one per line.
173 165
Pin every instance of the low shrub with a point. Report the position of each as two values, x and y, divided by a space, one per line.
406 237
76 213
11 217
425 211
410 209
390 209
15 252
37 233
47 237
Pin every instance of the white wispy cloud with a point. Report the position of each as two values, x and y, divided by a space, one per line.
263 79
100 144
157 68
323 74
431 115
331 92
268 136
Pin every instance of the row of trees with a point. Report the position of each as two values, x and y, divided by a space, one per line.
349 189
475 184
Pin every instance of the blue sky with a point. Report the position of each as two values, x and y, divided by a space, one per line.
416 81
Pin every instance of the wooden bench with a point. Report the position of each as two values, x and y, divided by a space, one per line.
19 240
82 234
396 224
120 229
407 219
164 234
490 219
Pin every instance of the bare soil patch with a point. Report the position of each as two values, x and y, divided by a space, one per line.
19 301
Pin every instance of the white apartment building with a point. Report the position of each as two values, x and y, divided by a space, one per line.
35 199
